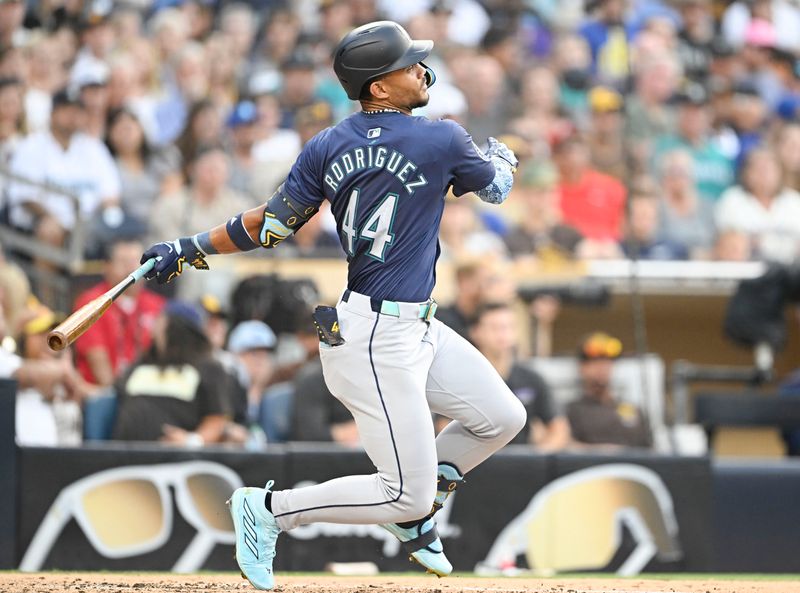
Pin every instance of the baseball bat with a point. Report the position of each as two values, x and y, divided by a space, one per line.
73 326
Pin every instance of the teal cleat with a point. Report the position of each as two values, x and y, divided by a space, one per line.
256 535
420 538
423 545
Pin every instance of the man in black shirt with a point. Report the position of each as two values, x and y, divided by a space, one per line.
493 331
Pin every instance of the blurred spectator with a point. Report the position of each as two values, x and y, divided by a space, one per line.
763 207
787 146
462 234
203 129
748 117
712 170
647 114
96 39
189 85
606 34
472 279
253 345
598 418
12 13
275 148
128 82
242 122
684 217
590 201
12 119
494 332
483 83
299 85
63 156
215 323
223 83
316 414
695 38
605 135
540 232
735 246
48 411
312 119
145 172
177 393
93 88
572 64
15 292
642 239
43 77
124 332
207 198
279 38
782 15
238 24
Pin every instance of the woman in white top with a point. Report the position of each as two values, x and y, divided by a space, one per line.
763 207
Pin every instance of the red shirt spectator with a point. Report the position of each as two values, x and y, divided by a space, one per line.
590 201
595 205
124 331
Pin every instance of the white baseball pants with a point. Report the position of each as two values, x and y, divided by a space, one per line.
391 373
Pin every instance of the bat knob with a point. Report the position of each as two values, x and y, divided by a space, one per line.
56 340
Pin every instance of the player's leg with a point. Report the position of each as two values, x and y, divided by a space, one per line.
380 374
464 386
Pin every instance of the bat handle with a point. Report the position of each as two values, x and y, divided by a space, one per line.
133 278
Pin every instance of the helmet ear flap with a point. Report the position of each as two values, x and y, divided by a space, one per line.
430 75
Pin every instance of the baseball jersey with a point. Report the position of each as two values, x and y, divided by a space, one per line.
386 175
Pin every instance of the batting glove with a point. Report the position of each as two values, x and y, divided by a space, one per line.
500 150
171 256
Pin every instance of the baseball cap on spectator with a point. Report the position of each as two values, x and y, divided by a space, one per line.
691 94
760 33
244 113
90 73
41 319
599 346
67 97
299 59
540 175
251 335
264 82
745 88
97 13
603 99
318 113
186 312
212 306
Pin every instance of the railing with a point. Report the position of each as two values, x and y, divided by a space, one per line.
52 281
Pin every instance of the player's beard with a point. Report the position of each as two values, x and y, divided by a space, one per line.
421 101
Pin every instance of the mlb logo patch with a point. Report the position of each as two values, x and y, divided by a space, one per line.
374 133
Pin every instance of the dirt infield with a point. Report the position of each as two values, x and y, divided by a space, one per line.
219 583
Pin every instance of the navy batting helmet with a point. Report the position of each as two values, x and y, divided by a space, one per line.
374 49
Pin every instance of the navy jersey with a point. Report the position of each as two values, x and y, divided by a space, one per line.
386 175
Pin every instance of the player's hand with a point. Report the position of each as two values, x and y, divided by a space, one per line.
500 150
171 257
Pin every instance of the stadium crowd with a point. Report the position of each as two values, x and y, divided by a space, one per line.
664 130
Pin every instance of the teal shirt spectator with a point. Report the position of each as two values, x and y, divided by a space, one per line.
713 171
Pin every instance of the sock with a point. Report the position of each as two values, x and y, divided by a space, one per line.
268 501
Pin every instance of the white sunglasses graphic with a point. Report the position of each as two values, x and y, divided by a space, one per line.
127 511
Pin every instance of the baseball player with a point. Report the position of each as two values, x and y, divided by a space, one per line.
384 354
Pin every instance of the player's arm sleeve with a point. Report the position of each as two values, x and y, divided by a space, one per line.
289 208
489 174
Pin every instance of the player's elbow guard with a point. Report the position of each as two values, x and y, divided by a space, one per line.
282 218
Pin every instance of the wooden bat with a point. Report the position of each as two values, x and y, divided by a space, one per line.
73 326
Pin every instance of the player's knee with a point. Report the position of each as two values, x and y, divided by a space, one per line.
512 419
417 501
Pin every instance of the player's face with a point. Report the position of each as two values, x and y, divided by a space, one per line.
407 87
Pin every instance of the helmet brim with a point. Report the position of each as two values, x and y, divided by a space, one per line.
418 50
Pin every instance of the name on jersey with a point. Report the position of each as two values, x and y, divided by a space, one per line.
375 157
